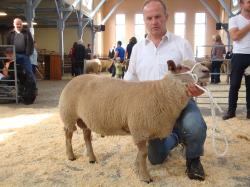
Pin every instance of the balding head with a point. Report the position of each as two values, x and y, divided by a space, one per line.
18 24
159 1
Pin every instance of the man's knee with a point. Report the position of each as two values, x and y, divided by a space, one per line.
156 158
194 127
157 152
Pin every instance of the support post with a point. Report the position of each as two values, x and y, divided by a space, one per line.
111 11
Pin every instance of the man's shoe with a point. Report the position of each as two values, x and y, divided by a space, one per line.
228 115
248 114
195 170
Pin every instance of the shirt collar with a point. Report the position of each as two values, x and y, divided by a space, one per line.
164 38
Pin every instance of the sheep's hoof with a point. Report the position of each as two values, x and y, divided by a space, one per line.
72 158
149 181
92 161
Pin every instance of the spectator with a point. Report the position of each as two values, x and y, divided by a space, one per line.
217 58
79 55
22 40
118 69
119 53
239 29
88 52
130 46
111 52
5 64
72 55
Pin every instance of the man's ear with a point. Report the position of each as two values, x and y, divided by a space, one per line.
171 65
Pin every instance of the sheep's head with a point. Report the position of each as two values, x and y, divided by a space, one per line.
190 72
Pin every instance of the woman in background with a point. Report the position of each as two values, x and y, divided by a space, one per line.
217 58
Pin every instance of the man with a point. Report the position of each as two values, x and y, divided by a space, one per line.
88 52
119 51
148 62
24 46
79 58
239 29
23 42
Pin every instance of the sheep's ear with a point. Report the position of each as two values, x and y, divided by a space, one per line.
171 65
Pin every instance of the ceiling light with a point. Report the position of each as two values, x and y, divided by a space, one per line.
25 23
3 14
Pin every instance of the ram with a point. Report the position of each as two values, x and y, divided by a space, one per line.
146 109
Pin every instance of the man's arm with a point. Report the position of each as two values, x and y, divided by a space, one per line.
131 72
191 89
237 34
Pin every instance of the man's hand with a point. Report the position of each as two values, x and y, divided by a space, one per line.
193 91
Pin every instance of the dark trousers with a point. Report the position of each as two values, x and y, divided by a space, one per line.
215 76
239 63
112 70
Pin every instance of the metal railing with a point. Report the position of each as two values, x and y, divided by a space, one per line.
219 91
8 85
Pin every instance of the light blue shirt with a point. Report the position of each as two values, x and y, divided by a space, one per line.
33 58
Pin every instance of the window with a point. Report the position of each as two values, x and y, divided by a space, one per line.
120 28
199 34
179 24
235 3
139 27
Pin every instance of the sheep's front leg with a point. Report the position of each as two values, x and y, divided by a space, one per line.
69 149
141 162
87 139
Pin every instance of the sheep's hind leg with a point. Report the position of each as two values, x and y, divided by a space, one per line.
141 162
87 139
69 149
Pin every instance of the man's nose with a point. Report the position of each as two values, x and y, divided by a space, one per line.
154 20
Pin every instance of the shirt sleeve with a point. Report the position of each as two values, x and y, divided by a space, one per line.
187 52
232 23
130 75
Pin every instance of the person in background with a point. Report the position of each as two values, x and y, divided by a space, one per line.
6 64
119 53
118 68
33 59
88 52
217 58
130 46
22 40
239 29
72 55
149 62
80 56
111 52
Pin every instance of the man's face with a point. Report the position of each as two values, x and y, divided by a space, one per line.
155 18
245 6
18 24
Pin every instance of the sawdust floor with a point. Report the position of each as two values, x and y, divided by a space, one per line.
32 151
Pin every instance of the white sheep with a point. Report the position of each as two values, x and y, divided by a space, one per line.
107 106
93 66
106 64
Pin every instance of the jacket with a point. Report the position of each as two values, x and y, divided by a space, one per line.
29 43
